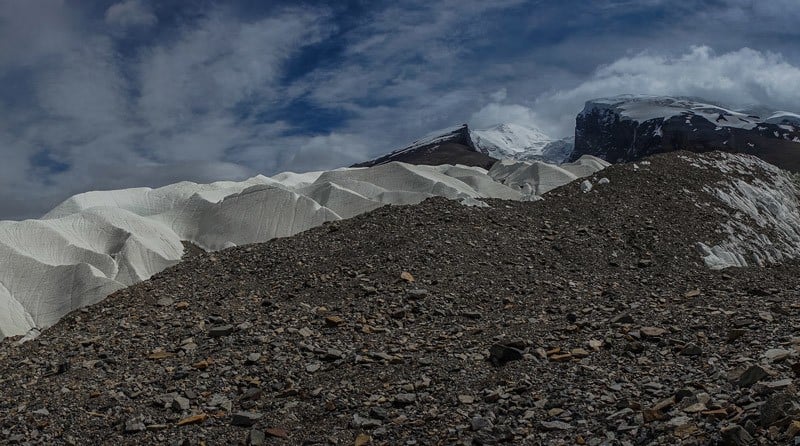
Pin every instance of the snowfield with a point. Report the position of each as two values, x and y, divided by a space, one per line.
96 243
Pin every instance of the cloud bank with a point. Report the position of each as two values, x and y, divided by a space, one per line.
110 94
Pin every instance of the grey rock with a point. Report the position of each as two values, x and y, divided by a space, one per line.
134 425
480 423
366 423
416 294
624 318
378 413
219 331
555 425
220 401
500 354
256 438
776 354
752 375
180 404
245 419
778 407
404 399
735 435
692 349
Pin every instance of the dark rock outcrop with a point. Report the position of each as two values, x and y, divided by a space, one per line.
627 128
452 146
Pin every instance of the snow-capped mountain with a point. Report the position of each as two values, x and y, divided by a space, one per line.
509 140
628 127
96 243
463 145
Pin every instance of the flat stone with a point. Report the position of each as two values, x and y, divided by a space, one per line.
256 438
579 352
466 399
366 423
779 384
480 423
777 407
695 408
653 332
379 413
404 399
334 321
692 349
776 354
624 318
164 302
793 430
134 425
500 354
219 331
735 435
555 425
561 357
220 401
752 375
245 419
734 334
180 403
416 294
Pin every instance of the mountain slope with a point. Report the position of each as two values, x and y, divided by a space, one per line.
462 145
448 146
99 242
586 315
628 127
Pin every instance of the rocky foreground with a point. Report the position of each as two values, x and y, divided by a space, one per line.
585 318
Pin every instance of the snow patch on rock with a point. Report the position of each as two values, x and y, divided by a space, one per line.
762 204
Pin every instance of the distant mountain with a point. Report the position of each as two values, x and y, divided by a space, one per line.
628 127
462 145
448 146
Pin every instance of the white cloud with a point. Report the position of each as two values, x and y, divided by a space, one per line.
130 13
124 118
165 114
499 95
499 113
739 78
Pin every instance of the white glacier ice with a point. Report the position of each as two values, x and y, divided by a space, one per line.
98 242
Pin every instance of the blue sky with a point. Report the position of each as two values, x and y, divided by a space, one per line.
101 94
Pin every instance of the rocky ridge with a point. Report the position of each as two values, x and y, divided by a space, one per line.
481 147
588 317
628 127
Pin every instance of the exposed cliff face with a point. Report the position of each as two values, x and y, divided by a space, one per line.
626 128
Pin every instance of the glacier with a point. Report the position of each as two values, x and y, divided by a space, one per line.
98 242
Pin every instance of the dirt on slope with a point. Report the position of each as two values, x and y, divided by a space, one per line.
585 318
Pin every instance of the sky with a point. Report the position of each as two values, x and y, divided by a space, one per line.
108 94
